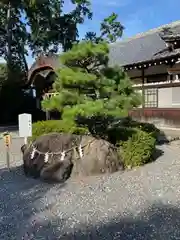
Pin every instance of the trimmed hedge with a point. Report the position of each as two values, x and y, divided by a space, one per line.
59 126
138 149
148 128
136 141
126 127
115 135
144 126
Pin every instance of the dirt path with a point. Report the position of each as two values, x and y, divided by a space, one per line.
139 204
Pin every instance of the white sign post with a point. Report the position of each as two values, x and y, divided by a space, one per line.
25 126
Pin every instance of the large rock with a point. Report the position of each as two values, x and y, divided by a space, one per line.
54 157
97 157
44 157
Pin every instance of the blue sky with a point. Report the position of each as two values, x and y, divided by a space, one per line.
135 15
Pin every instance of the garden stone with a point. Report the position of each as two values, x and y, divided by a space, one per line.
43 158
98 157
53 157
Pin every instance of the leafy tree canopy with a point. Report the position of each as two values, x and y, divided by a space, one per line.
3 75
40 25
110 30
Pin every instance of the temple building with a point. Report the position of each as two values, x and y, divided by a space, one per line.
152 61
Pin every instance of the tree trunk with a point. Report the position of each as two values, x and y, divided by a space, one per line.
9 36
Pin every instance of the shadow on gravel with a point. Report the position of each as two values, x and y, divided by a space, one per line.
162 139
157 153
19 201
158 222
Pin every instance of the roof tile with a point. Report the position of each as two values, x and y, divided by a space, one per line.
142 47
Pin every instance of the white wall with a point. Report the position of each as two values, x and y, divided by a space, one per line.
176 97
164 97
169 97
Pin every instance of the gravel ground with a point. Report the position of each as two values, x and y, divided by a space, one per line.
139 204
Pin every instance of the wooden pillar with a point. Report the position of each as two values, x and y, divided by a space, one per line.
48 115
143 94
172 74
38 102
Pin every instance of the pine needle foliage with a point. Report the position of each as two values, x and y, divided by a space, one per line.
89 87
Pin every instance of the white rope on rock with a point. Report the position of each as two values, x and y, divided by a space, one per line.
63 155
80 151
33 153
46 157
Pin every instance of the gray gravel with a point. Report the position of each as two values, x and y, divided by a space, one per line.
140 204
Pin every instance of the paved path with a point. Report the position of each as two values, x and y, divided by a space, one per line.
139 204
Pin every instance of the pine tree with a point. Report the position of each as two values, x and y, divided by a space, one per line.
88 87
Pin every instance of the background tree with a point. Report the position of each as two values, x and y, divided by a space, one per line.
3 75
110 30
13 98
39 25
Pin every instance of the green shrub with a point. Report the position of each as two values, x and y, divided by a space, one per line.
126 127
138 149
144 126
51 126
117 134
149 128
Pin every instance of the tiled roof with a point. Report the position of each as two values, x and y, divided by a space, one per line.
142 47
166 53
43 62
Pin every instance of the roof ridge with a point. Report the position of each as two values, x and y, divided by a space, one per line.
153 30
